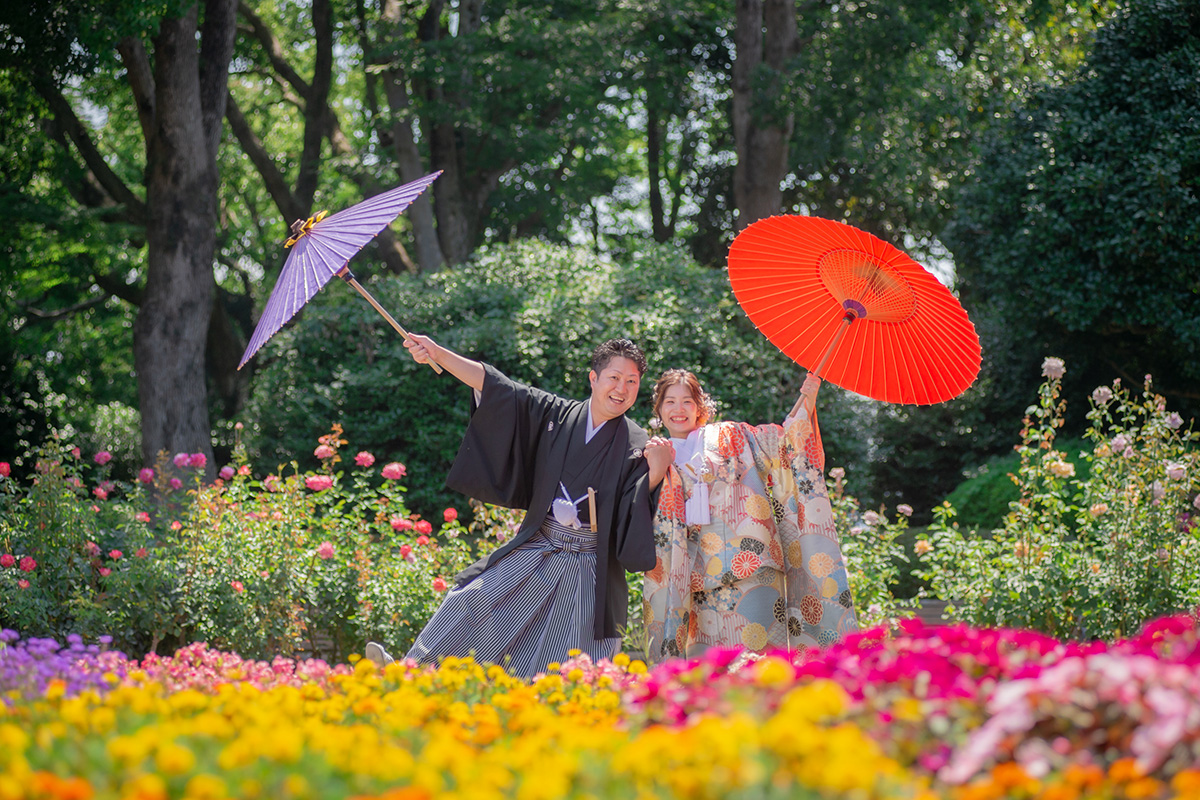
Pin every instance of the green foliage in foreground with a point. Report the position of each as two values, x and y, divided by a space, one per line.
536 311
1084 554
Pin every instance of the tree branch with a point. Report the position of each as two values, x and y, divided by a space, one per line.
273 49
277 186
70 124
141 81
217 35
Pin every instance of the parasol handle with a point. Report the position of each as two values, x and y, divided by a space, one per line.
348 277
833 343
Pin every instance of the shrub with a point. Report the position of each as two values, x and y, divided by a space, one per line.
1083 554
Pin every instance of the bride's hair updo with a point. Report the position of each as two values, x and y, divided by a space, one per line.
675 377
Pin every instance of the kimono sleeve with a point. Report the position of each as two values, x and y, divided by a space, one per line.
635 521
496 459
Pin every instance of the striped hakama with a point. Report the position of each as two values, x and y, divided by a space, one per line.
527 609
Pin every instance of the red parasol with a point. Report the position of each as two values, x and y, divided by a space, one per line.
321 248
854 310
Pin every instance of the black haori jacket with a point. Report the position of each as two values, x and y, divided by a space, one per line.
514 453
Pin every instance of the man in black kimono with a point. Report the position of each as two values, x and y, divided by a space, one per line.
559 584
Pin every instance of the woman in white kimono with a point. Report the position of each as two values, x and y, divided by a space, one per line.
746 550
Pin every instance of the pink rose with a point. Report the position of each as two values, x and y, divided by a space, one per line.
115 555
226 472
5 469
905 509
405 550
318 483
95 509
105 572
1175 471
102 458
837 473
1102 395
92 549
24 584
197 460
323 452
75 452
364 459
1053 368
237 586
100 492
7 560
423 526
400 523
325 550
395 471
146 475
439 585
176 483
271 483
422 540
450 514
244 469
181 460
176 525
141 552
28 564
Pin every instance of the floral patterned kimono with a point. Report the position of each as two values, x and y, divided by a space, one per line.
761 567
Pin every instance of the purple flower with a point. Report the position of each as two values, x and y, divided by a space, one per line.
226 472
176 483
1174 421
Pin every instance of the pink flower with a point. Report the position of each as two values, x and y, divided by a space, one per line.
423 526
237 586
1102 395
1053 368
401 523
146 475
92 549
364 459
141 552
7 560
100 492
395 471
422 540
323 452
405 550
1174 421
439 585
24 584
450 514
181 460
226 472
105 572
176 525
1196 502
271 483
95 509
837 473
871 518
176 483
5 469
75 452
244 469
197 460
1175 471
102 458
28 564
318 483
325 550
905 509
115 555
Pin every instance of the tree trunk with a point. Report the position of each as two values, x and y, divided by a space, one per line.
658 222
172 323
766 36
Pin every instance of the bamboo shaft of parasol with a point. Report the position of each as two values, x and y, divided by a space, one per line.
350 280
833 343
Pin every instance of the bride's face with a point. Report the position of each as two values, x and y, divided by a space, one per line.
678 411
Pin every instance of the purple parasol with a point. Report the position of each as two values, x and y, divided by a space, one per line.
321 248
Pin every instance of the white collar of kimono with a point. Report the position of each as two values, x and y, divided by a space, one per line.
687 449
592 427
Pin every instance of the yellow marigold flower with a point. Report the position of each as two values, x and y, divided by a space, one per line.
1187 782
621 659
56 689
575 675
174 759
637 667
1144 788
205 787
773 671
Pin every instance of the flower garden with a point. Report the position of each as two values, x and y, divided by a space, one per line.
250 598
